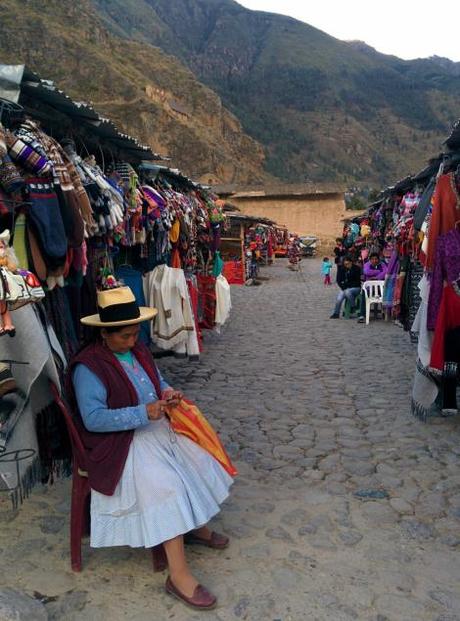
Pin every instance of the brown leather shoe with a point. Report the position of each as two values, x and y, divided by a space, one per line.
201 599
217 540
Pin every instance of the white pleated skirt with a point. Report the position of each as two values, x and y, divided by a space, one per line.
169 487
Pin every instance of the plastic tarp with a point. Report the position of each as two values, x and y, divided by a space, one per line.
10 82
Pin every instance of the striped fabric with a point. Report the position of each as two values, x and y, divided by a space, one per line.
10 178
26 156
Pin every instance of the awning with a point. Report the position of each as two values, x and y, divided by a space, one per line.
251 219
10 82
33 88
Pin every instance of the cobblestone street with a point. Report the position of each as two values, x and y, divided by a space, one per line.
346 507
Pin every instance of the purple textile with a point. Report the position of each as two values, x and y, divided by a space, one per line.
390 280
216 234
446 268
393 264
29 158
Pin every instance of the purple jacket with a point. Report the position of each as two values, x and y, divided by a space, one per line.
374 273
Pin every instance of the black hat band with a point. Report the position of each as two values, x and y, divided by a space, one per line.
119 312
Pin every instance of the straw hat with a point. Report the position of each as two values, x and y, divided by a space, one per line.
118 307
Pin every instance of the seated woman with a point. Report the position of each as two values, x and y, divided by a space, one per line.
149 485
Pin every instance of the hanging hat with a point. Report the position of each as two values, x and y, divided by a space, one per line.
118 307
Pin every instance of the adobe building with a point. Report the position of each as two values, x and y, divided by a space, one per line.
304 209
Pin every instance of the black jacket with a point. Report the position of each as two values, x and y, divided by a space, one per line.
346 279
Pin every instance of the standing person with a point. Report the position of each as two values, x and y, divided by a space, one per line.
349 281
149 486
294 253
339 251
326 267
374 269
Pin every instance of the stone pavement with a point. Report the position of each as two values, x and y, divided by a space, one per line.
345 507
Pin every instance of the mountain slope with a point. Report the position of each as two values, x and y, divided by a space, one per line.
324 109
149 94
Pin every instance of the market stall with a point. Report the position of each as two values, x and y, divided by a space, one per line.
246 240
232 247
282 240
415 226
85 207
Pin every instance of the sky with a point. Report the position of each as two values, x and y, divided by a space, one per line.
406 28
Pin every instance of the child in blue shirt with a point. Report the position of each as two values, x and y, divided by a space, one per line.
326 267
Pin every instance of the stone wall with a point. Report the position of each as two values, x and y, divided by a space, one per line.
316 214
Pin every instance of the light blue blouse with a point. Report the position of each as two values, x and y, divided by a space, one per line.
92 399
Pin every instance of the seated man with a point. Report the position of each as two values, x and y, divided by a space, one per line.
374 269
349 281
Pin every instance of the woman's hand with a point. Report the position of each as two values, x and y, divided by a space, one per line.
157 409
172 397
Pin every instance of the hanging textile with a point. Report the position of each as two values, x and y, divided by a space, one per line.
166 289
207 301
425 387
414 299
193 292
218 265
223 301
446 269
446 212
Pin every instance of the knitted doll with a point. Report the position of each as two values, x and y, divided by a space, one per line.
8 265
17 286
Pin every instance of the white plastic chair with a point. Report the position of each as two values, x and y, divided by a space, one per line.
373 292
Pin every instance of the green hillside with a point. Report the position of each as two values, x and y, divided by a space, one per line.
324 109
136 84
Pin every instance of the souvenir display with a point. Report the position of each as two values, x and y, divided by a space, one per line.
17 287
415 225
72 223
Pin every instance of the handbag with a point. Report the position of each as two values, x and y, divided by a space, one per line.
187 420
